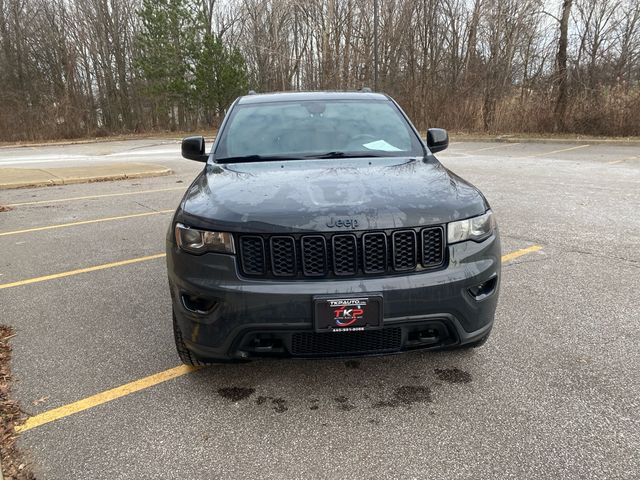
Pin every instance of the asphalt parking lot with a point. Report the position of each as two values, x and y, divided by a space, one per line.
554 393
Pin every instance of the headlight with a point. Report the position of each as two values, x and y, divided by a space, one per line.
201 241
476 228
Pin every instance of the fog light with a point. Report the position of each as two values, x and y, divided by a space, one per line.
484 289
198 304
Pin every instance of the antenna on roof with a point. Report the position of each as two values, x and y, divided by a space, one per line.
251 92
365 90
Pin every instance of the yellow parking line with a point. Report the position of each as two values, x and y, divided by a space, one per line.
505 258
104 397
518 253
79 271
89 197
152 380
84 222
493 148
623 160
557 151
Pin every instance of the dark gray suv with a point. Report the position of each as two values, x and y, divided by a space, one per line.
322 225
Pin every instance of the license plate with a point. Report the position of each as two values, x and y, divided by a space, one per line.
347 313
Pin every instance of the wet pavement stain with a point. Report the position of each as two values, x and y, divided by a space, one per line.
344 404
406 395
453 375
353 364
279 404
236 394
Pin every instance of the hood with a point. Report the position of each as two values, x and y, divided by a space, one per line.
328 196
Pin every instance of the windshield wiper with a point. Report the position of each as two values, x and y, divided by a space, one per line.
256 158
344 155
265 158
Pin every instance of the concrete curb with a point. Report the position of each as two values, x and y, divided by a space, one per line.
614 142
84 141
39 177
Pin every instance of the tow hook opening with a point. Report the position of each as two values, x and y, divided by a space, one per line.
430 335
262 344
484 289
199 305
266 343
424 336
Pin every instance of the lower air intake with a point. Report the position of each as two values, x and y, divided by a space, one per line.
344 343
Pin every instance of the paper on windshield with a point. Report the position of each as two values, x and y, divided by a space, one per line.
381 145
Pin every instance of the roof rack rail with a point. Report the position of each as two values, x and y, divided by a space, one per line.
251 92
365 90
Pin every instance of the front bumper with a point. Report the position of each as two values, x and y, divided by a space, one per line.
242 317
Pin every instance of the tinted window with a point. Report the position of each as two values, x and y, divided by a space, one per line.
317 127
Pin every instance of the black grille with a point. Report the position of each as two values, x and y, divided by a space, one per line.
404 250
432 247
343 254
374 252
253 255
283 256
345 257
314 255
369 341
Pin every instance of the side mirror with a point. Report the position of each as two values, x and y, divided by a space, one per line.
437 139
193 149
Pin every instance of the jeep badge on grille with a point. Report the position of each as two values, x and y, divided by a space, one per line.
342 222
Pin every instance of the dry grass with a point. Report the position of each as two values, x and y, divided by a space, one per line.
13 466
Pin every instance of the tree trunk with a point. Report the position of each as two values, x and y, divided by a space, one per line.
561 68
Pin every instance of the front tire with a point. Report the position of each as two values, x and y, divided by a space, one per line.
186 356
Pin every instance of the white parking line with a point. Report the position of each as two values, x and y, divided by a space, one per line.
90 197
56 158
145 153
493 148
557 151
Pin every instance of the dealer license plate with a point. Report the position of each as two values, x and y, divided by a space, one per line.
347 313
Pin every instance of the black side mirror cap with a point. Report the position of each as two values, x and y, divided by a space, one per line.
193 149
437 139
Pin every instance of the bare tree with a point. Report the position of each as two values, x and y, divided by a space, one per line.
561 67
72 67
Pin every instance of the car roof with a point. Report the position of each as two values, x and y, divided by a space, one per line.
309 96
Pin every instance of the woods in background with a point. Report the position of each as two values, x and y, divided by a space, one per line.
73 68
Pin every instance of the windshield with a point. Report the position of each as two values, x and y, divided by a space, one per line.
313 129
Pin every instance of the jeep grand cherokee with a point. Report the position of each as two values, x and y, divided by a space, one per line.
322 225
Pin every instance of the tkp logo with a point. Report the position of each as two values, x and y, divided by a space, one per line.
346 315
